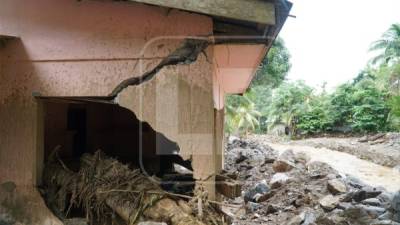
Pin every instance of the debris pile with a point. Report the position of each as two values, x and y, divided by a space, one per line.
109 192
290 189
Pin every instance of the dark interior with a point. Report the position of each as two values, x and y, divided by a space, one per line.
79 127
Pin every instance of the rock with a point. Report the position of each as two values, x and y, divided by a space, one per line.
395 207
329 202
372 211
271 209
285 162
372 202
309 218
260 188
269 159
302 157
278 180
151 223
386 199
252 206
365 193
355 182
397 168
240 158
344 205
384 222
337 186
319 169
297 220
386 216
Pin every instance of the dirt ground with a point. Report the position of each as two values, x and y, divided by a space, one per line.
384 151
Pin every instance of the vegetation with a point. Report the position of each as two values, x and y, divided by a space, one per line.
368 103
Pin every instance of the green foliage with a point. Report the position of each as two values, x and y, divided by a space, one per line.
274 67
241 115
394 116
370 110
318 118
368 103
288 101
389 46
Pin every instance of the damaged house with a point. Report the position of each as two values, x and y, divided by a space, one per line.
141 80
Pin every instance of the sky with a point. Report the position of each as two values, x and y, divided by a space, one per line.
329 39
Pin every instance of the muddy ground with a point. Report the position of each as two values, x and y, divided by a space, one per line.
305 182
382 149
286 187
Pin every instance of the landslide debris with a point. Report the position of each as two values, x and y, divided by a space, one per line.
296 191
109 192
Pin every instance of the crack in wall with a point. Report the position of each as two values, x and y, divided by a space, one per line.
187 53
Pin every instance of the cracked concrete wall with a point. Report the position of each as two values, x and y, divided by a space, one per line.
178 102
74 48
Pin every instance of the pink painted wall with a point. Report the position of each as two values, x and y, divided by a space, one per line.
235 66
71 48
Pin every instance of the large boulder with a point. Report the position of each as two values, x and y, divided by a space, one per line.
329 202
285 162
318 169
337 186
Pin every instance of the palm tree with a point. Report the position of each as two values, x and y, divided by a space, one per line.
389 45
243 118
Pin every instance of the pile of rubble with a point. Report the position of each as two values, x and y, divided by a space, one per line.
290 189
109 192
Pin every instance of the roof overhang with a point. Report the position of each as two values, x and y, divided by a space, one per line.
257 11
236 21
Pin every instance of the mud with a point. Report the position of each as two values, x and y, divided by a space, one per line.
303 197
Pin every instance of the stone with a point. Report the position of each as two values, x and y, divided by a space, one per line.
241 158
372 202
384 222
397 168
278 180
337 186
318 169
260 188
355 182
365 193
297 220
285 162
302 157
344 205
271 209
309 218
395 207
386 216
329 202
386 199
258 198
372 211
252 206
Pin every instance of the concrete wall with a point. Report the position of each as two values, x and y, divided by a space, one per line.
85 48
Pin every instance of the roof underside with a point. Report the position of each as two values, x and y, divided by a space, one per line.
236 21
